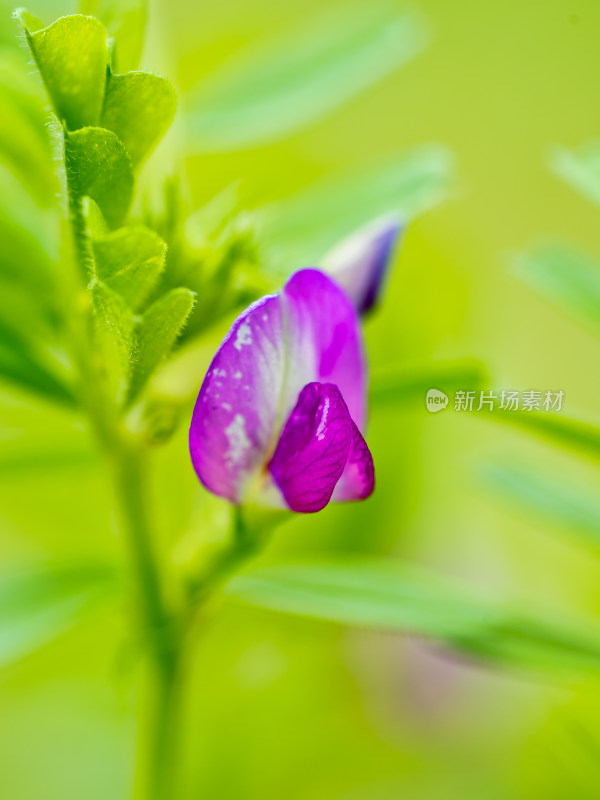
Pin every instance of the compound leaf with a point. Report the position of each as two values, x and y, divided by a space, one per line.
139 107
130 261
157 332
72 57
99 166
115 338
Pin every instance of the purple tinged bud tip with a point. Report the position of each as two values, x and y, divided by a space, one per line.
360 262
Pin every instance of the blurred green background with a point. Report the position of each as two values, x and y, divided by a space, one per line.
287 707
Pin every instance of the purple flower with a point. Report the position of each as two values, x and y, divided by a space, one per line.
359 263
278 418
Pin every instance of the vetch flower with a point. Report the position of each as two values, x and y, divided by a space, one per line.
360 262
277 421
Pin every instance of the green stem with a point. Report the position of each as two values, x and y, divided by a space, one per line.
157 774
130 488
128 458
246 543
163 636
81 239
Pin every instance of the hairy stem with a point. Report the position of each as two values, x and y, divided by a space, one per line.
128 458
162 632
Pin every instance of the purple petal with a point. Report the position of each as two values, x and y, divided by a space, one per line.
324 341
359 263
313 448
234 416
358 479
309 332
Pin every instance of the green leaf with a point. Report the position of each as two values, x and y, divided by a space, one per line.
42 438
549 498
29 235
35 316
125 21
302 229
380 595
25 143
574 434
17 457
398 384
580 168
31 368
130 261
99 166
22 88
569 278
115 338
72 57
305 73
36 606
139 107
157 333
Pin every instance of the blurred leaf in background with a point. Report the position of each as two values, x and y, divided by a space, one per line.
301 75
548 499
125 21
567 278
31 353
38 605
580 168
394 597
302 229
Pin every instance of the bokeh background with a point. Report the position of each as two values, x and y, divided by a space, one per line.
288 707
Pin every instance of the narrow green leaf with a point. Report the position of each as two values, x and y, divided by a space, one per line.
130 261
396 385
35 316
18 457
302 229
380 595
580 168
25 143
278 87
22 87
31 368
125 21
571 433
115 338
568 278
99 166
157 333
139 107
37 606
29 234
72 57
548 498
41 437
